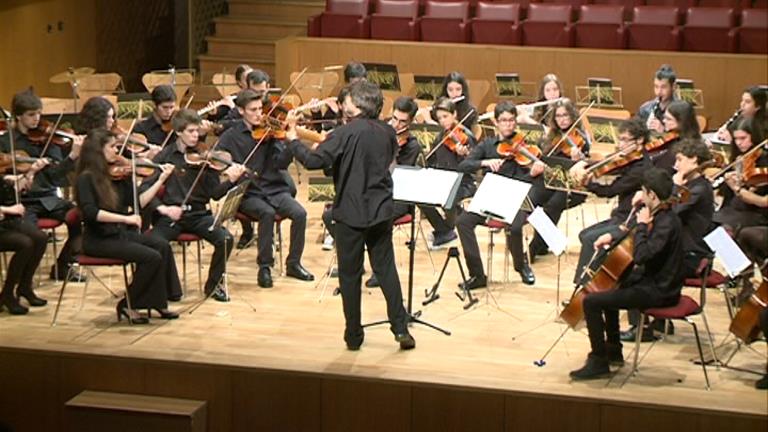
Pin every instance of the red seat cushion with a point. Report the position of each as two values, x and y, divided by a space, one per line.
715 279
245 218
187 238
46 223
402 220
495 224
685 307
86 260
74 216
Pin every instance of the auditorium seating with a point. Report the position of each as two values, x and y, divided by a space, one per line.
496 23
342 19
709 29
395 20
599 26
752 35
547 25
445 21
654 28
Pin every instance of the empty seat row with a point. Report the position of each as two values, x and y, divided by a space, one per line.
597 26
736 4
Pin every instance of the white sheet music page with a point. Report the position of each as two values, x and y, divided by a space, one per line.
552 236
424 186
727 251
499 197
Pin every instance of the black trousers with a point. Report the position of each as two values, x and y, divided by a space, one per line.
35 211
401 210
264 210
28 243
514 232
155 267
587 237
601 311
198 223
441 224
554 203
350 247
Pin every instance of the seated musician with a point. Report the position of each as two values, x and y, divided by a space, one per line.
574 146
269 193
752 106
678 122
227 104
171 219
42 199
486 155
409 149
550 88
19 236
446 153
256 80
654 281
454 88
157 127
327 117
112 232
651 112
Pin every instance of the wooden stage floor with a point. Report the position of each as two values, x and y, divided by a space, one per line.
298 327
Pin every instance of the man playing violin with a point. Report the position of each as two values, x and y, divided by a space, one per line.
486 155
654 281
42 199
269 194
157 127
170 219
256 80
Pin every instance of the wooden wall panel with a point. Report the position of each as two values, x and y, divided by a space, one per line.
29 394
365 406
439 409
525 413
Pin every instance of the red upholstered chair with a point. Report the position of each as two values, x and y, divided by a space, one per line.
654 28
44 224
752 36
342 19
547 25
496 23
395 19
445 21
709 29
733 4
757 4
495 226
599 26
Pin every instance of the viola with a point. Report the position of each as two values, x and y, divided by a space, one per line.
217 160
746 323
615 161
45 130
516 148
122 168
22 159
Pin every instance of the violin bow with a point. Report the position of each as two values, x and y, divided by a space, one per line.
14 170
570 129
50 136
454 129
198 177
168 135
127 137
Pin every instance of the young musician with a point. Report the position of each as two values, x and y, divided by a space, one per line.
157 127
324 120
651 111
42 199
27 242
361 153
679 122
655 280
486 156
256 80
97 112
227 104
171 219
112 232
752 106
574 146
455 88
550 88
446 153
270 193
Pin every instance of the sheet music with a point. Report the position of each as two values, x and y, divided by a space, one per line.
727 251
499 197
425 185
552 236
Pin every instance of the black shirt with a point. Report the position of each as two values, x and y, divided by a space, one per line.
230 119
90 205
46 181
487 149
268 162
444 158
153 130
360 154
629 180
408 153
696 215
658 255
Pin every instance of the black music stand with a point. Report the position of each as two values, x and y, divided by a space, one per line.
421 186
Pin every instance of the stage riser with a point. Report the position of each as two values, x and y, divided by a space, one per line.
37 384
257 29
241 48
280 10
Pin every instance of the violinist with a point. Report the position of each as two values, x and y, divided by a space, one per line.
170 219
112 232
157 127
486 155
97 112
456 88
333 115
752 106
23 238
361 154
269 194
654 281
550 88
651 112
572 143
449 148
42 199
227 104
256 80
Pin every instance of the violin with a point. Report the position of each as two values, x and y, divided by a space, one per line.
615 161
402 136
751 174
574 143
217 160
23 161
746 323
660 143
45 130
516 148
454 138
122 168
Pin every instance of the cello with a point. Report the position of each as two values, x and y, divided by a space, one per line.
746 323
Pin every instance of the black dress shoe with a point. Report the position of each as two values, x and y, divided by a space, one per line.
12 304
631 334
33 299
659 324
596 367
354 341
174 298
164 314
244 241
407 342
475 282
526 274
762 383
615 356
296 270
372 282
122 311
265 277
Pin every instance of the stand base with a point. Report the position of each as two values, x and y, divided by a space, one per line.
412 318
464 295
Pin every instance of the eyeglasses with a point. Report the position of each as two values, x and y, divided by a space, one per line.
505 120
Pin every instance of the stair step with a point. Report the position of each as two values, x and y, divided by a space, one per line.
284 10
228 27
236 47
213 64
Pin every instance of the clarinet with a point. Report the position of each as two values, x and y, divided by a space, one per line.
654 113
730 121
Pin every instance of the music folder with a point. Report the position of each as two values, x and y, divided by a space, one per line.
426 186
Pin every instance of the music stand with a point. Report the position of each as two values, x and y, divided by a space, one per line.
226 211
600 91
427 187
686 91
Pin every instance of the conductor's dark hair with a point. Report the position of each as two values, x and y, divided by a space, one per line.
659 181
407 105
367 97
